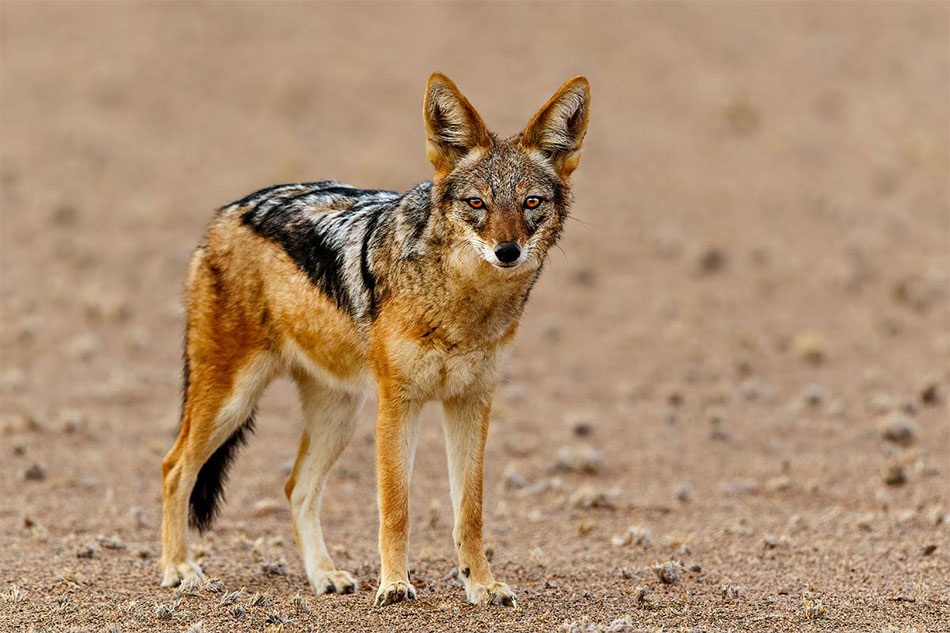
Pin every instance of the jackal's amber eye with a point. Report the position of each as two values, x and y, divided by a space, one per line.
476 203
532 202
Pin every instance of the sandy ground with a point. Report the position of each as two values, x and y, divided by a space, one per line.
756 283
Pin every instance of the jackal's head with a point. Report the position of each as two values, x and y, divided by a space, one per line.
506 198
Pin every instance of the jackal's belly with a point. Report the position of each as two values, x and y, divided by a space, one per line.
334 366
315 336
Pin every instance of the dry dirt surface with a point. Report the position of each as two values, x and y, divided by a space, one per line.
726 409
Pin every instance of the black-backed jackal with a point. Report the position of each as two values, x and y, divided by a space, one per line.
345 289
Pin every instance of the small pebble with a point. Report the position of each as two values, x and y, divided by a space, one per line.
778 484
894 474
930 391
19 445
582 427
85 346
434 513
908 406
36 472
513 479
587 497
880 403
668 573
864 522
811 348
72 421
635 535
712 260
814 394
743 363
899 429
751 389
274 568
684 494
538 557
641 594
675 398
110 542
138 516
796 523
716 421
580 459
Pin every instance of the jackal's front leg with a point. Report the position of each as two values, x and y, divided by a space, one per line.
466 429
395 447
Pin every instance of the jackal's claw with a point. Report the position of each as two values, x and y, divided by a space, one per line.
497 593
336 581
185 574
393 592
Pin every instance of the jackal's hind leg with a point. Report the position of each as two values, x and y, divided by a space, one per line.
329 417
215 421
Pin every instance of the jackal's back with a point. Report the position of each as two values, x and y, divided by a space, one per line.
327 229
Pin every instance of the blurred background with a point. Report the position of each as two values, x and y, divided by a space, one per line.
742 348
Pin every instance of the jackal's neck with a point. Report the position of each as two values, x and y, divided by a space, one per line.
474 299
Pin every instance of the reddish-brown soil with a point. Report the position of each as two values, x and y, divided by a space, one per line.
757 280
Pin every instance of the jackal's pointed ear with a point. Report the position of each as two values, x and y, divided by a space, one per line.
453 127
558 129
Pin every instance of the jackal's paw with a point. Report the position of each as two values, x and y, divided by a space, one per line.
393 592
494 593
335 581
186 574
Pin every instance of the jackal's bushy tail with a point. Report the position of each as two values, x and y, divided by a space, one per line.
208 493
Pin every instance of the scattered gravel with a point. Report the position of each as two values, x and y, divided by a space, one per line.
274 568
635 535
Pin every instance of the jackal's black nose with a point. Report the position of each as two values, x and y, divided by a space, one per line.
507 252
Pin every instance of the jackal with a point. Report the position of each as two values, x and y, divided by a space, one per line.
344 289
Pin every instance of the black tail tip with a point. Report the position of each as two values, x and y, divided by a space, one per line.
208 493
